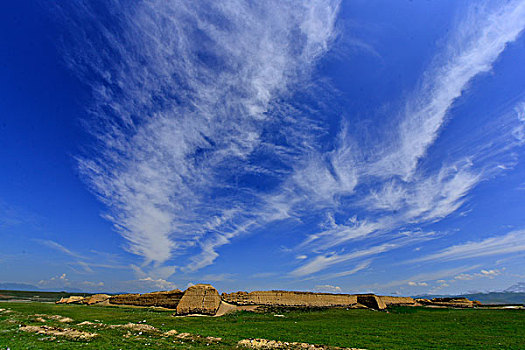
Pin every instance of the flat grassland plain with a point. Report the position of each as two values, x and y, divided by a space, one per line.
400 328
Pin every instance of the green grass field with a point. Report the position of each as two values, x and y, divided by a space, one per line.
401 328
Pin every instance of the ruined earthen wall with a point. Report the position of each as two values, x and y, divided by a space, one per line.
162 299
454 302
371 300
199 299
285 298
388 300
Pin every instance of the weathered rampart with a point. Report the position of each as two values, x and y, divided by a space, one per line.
450 302
286 298
402 301
199 299
204 299
371 300
168 299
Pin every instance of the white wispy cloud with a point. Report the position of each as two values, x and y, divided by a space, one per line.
418 279
473 48
322 262
482 274
512 242
63 282
182 94
519 130
192 102
59 247
359 267
401 192
417 284
328 288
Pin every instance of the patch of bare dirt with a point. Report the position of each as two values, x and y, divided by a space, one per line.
275 344
61 332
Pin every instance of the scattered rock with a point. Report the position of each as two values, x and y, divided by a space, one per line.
192 337
63 332
44 318
275 344
450 302
61 319
136 327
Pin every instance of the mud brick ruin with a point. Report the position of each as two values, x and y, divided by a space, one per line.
204 299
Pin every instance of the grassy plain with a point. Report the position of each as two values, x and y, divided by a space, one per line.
400 328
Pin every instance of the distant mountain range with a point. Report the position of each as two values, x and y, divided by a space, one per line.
32 288
515 294
18 286
517 288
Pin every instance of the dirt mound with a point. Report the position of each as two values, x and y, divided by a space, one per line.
62 332
71 300
275 344
199 299
294 299
455 302
95 299
169 299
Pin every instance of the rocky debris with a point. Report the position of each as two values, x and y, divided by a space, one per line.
145 328
450 302
56 331
169 299
199 299
44 318
61 319
402 301
192 337
372 301
294 299
95 299
275 344
171 333
74 299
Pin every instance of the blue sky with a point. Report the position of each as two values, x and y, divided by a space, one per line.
322 145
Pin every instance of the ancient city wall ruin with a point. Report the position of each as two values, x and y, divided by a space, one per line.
168 299
388 300
285 298
204 299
